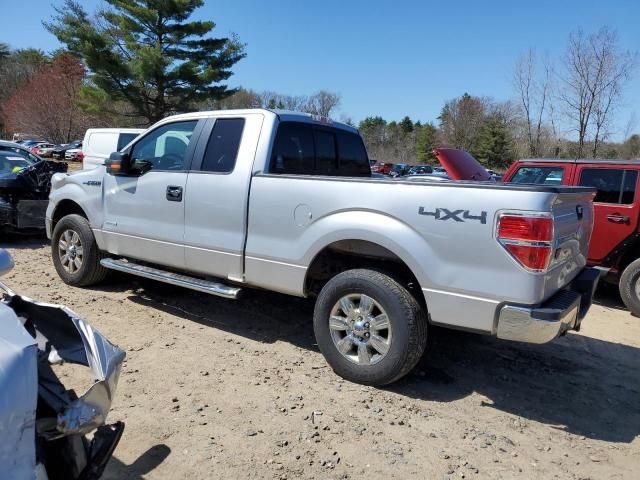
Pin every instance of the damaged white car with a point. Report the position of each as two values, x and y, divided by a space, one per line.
48 432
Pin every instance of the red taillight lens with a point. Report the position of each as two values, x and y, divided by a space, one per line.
534 258
515 227
528 239
80 156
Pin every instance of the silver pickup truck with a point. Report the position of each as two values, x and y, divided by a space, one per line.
223 201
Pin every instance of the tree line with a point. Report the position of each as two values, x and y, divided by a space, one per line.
134 62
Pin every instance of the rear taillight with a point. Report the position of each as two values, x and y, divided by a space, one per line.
528 239
80 156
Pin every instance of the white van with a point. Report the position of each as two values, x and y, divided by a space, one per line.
99 143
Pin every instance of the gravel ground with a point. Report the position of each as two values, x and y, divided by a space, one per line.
219 389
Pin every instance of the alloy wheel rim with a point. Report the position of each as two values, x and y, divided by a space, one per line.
70 251
360 329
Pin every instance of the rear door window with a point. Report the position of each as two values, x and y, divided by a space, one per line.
539 175
614 185
306 149
223 145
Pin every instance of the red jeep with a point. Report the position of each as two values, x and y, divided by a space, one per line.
615 242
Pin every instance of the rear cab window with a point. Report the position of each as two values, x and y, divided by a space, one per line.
539 175
617 186
306 149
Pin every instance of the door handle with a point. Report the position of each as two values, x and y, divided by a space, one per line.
174 193
615 218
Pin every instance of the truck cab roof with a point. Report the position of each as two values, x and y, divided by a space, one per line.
283 115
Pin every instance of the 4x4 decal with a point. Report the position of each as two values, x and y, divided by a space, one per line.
455 215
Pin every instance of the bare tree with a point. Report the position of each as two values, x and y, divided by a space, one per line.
595 73
533 89
461 120
323 103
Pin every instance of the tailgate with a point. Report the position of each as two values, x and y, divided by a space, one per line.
573 223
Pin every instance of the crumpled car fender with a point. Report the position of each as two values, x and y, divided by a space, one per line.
62 335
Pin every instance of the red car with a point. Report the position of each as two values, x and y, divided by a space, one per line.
615 242
382 167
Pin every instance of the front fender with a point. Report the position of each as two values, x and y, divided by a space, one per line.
83 188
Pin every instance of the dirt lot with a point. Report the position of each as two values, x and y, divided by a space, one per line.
220 389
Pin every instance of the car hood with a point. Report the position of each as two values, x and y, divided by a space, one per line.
461 165
36 178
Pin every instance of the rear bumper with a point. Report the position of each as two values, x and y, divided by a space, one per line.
562 312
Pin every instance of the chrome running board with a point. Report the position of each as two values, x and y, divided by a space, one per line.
206 286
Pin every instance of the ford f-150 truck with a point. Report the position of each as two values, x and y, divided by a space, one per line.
223 201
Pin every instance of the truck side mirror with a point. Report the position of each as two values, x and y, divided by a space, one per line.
6 262
119 163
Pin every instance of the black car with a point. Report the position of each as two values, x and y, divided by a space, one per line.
421 170
60 150
24 192
399 170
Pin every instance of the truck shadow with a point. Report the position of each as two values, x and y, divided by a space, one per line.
144 464
578 384
22 242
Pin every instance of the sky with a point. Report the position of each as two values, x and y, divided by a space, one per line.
387 58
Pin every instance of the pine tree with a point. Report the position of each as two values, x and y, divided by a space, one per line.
406 126
494 143
147 53
425 141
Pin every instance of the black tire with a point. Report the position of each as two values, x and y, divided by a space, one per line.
406 319
630 277
90 271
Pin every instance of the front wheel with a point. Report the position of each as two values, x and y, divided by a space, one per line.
75 252
630 287
369 328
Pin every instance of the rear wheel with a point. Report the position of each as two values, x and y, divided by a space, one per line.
630 287
75 253
369 327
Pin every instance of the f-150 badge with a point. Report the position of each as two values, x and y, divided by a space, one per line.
455 215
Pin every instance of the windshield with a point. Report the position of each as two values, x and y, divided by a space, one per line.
12 163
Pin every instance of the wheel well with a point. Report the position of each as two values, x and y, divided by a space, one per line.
631 253
349 254
64 208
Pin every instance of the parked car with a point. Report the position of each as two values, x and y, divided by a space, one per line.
98 144
286 202
60 150
399 170
24 189
44 425
43 149
30 143
615 244
19 149
74 155
421 169
382 167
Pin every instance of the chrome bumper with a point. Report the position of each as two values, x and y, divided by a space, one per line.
543 323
